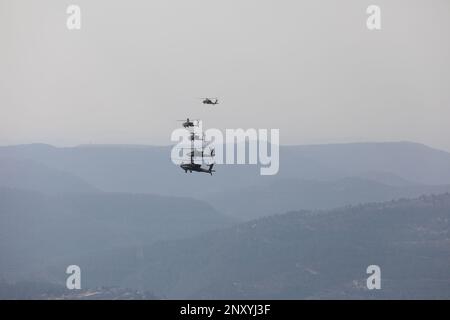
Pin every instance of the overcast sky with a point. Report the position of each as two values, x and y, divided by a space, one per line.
310 68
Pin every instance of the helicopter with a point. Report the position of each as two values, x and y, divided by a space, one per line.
210 101
197 168
192 166
189 123
194 137
196 153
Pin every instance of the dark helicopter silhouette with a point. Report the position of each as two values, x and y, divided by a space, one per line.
197 168
210 101
197 153
189 123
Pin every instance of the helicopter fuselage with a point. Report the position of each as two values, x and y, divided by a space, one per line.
196 168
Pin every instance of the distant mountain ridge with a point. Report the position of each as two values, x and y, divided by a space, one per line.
133 219
37 228
22 173
149 169
283 195
301 255
310 177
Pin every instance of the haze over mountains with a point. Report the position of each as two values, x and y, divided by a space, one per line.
310 177
299 255
132 219
37 229
286 194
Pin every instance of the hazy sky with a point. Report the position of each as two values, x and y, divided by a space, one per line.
310 68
